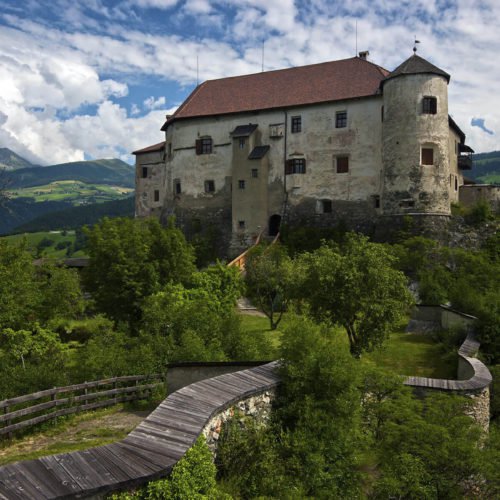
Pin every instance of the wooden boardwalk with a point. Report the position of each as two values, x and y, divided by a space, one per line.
149 452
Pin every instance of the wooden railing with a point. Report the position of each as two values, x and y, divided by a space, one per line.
46 405
240 261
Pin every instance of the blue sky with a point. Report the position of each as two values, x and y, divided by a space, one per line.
95 78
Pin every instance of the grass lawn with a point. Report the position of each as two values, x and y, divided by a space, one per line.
32 240
403 354
78 432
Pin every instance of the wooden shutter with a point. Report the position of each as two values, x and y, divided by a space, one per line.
198 146
342 164
304 166
289 167
427 156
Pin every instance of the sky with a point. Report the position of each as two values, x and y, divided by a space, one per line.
88 79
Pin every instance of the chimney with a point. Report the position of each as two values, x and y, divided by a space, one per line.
364 55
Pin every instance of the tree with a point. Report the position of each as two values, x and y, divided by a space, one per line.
130 260
19 291
269 279
355 286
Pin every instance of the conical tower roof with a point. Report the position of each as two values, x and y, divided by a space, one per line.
415 65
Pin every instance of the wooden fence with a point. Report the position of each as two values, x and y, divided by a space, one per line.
48 404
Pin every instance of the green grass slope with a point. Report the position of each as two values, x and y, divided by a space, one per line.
114 172
75 191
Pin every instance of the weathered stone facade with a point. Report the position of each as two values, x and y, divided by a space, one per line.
257 407
352 155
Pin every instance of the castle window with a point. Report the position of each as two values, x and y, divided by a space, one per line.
170 150
342 164
341 119
429 105
241 184
427 156
382 114
456 183
296 166
326 206
209 186
144 172
376 201
156 195
255 173
177 186
204 146
241 224
296 124
242 142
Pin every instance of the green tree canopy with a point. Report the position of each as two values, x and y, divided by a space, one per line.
355 286
132 259
269 280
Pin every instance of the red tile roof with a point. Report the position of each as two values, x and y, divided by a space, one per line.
150 149
316 83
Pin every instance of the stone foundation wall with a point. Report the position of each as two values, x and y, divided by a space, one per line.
480 409
257 406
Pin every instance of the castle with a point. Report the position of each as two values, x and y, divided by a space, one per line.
338 141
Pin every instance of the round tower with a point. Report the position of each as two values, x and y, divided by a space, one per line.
415 136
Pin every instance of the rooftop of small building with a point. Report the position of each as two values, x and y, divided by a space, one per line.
150 149
415 65
351 78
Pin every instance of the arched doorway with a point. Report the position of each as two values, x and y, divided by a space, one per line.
274 224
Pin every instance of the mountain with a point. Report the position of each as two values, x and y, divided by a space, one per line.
12 161
114 172
486 168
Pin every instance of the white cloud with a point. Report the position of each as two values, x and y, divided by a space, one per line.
152 103
46 72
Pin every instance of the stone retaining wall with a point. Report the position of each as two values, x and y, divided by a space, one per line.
257 406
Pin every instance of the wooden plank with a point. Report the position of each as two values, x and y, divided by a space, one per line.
78 471
15 479
61 474
164 462
120 467
28 475
31 409
142 466
44 476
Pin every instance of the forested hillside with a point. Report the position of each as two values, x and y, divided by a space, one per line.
62 215
93 172
486 168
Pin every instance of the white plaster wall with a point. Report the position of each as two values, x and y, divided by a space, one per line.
318 142
405 130
145 187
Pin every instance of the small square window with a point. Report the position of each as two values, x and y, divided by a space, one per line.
296 166
144 172
209 186
326 206
241 224
427 156
255 173
429 105
342 164
156 195
242 142
341 119
204 146
296 124
241 184
177 187
456 183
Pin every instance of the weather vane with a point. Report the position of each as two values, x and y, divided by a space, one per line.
415 45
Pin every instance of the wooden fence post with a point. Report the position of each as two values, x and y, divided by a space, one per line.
85 391
53 397
9 421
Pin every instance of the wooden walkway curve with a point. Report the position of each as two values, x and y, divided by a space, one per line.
149 452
